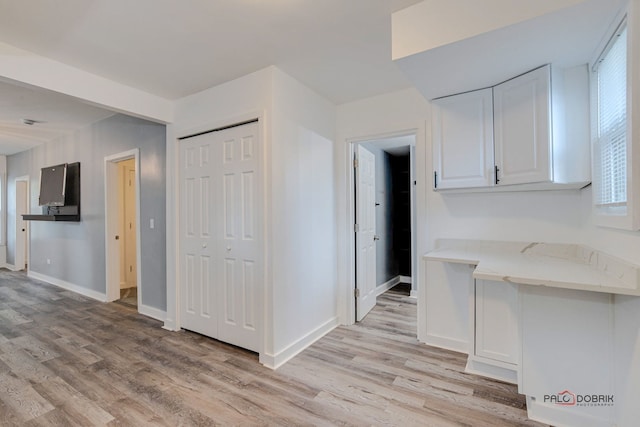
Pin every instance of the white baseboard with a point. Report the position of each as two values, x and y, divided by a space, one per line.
68 286
154 313
381 289
477 367
10 267
146 310
3 255
170 324
405 279
447 343
274 361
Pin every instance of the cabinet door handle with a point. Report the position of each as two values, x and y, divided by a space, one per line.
435 179
496 174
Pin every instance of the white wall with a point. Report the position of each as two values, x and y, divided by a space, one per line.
297 134
3 210
427 25
303 214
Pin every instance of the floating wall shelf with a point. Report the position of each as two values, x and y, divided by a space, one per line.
71 209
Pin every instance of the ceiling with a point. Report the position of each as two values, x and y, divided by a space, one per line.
341 49
396 146
56 115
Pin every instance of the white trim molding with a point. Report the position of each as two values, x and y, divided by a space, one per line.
381 289
154 313
274 361
102 297
112 256
347 301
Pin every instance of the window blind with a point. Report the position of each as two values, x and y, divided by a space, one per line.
611 144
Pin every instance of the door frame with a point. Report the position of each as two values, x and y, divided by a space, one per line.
352 144
26 180
111 215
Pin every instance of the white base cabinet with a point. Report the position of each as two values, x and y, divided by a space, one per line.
477 317
568 356
449 286
495 330
496 321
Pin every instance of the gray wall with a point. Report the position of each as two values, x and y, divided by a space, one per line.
77 249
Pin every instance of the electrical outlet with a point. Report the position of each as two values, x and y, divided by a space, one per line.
151 223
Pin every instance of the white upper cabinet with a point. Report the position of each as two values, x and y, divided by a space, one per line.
523 134
522 119
462 128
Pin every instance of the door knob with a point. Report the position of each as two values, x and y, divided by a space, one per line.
228 248
376 237
117 237
204 245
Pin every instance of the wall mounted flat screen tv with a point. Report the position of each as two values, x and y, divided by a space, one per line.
53 180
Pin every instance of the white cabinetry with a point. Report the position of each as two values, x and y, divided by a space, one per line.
495 330
477 317
539 134
496 321
463 140
567 345
522 114
449 287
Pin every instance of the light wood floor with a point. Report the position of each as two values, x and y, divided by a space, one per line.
67 360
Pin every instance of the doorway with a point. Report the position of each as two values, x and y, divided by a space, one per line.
122 230
384 217
21 260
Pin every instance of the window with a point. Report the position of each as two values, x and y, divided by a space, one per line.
610 149
616 169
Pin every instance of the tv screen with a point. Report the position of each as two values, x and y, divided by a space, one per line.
52 185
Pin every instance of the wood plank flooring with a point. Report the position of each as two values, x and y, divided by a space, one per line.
66 360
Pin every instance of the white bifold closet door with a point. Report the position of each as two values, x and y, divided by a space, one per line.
220 235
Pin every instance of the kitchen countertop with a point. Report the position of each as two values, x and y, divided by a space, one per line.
565 266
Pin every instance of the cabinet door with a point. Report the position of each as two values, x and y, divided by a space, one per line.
462 130
496 331
448 287
522 113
